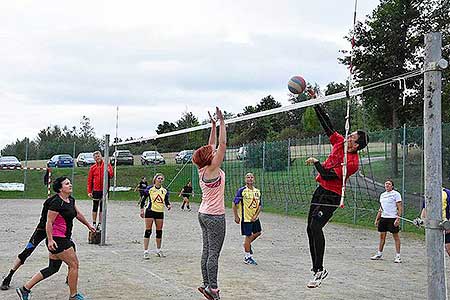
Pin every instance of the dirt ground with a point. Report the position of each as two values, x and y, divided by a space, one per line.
118 271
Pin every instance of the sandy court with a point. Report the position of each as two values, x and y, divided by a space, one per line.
118 271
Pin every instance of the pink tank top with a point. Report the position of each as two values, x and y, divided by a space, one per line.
213 194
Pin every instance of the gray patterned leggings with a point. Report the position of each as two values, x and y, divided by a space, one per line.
213 230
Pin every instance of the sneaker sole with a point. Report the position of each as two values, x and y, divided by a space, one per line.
4 287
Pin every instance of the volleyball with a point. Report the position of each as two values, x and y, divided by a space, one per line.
297 85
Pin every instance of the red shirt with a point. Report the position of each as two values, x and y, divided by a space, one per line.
334 161
95 177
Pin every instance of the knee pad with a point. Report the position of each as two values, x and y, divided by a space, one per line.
26 252
158 234
53 267
148 233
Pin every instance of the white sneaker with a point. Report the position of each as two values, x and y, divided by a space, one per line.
160 254
398 260
146 255
316 281
377 257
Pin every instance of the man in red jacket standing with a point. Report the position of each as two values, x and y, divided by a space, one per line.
95 185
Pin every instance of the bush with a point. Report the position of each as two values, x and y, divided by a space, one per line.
275 156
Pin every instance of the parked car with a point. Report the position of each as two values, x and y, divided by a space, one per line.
123 157
9 161
60 161
242 153
152 158
85 159
180 157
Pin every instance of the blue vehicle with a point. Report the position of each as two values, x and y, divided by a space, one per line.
60 161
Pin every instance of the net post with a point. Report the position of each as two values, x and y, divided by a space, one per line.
73 167
403 174
105 189
288 173
433 168
263 167
25 169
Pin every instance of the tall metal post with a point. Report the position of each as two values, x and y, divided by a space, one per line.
403 173
115 150
105 189
73 167
26 165
288 174
433 167
263 167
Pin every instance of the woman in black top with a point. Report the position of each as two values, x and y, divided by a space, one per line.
186 192
141 186
61 212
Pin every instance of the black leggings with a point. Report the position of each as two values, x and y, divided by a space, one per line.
318 217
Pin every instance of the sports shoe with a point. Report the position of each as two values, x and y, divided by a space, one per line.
160 254
5 283
316 281
250 261
201 289
377 257
213 295
77 296
23 295
146 255
398 260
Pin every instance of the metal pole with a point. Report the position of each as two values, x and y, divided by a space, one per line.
73 167
26 165
105 189
288 174
115 150
433 168
403 173
263 166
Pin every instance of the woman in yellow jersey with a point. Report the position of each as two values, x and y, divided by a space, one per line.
248 201
154 212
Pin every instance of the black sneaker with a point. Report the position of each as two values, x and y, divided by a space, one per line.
5 284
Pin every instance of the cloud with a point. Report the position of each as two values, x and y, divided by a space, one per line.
85 58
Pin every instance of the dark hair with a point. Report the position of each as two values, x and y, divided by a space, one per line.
57 184
363 139
390 180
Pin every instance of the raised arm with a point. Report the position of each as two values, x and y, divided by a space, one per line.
324 120
212 136
220 155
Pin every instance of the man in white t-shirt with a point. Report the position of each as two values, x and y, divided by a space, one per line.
388 219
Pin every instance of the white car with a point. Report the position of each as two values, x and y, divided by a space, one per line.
242 153
152 158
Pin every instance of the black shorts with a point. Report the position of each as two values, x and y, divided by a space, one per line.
62 244
447 238
97 201
387 224
153 214
185 196
249 228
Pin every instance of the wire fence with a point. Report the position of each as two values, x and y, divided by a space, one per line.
285 181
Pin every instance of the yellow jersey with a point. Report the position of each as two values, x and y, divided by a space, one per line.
248 201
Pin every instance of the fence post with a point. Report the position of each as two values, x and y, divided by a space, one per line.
26 165
403 173
105 189
73 167
288 174
263 166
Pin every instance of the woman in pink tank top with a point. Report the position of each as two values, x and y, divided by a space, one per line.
211 214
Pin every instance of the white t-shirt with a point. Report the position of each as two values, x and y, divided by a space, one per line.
388 201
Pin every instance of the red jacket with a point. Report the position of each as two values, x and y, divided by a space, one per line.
95 177
334 161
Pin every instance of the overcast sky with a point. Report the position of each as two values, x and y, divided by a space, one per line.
61 60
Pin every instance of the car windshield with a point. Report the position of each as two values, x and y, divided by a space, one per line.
89 155
125 153
65 157
9 159
151 153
